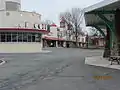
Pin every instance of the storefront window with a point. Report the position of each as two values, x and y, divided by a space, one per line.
29 37
0 37
14 37
37 37
24 37
19 37
9 38
33 37
3 37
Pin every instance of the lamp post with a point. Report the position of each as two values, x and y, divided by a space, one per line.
58 35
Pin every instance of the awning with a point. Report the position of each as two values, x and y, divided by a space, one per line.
23 30
106 7
53 38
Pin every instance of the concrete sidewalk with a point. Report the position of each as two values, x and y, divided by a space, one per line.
100 61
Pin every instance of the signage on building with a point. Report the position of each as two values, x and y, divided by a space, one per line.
35 26
40 26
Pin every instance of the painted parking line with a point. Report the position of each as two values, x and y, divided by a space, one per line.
2 61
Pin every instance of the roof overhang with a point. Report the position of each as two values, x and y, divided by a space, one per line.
24 30
106 8
53 38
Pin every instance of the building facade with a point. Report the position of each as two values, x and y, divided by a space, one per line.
97 41
54 38
70 35
20 31
63 36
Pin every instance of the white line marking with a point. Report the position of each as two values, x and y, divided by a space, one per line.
3 62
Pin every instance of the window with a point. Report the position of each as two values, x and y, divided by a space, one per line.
24 37
14 37
29 37
3 37
9 38
33 37
0 37
19 37
37 37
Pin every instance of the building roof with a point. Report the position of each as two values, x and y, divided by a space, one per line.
107 7
53 25
23 30
105 4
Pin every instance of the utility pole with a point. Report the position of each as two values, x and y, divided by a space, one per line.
76 33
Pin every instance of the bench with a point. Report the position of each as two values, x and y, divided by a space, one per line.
114 59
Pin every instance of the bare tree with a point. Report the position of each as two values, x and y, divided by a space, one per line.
74 18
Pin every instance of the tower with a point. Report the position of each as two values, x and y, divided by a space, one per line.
10 5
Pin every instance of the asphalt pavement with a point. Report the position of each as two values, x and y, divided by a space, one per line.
61 69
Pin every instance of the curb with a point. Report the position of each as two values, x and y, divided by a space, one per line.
45 51
3 62
107 65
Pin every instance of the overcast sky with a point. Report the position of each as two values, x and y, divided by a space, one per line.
50 9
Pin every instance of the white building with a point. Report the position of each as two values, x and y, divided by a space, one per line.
60 36
20 31
54 37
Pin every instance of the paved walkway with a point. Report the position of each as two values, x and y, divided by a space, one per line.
100 61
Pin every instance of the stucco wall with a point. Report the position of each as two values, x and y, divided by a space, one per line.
53 30
16 47
16 18
18 1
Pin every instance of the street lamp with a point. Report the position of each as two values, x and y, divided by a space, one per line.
58 35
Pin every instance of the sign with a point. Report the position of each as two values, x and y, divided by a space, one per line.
40 26
34 26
